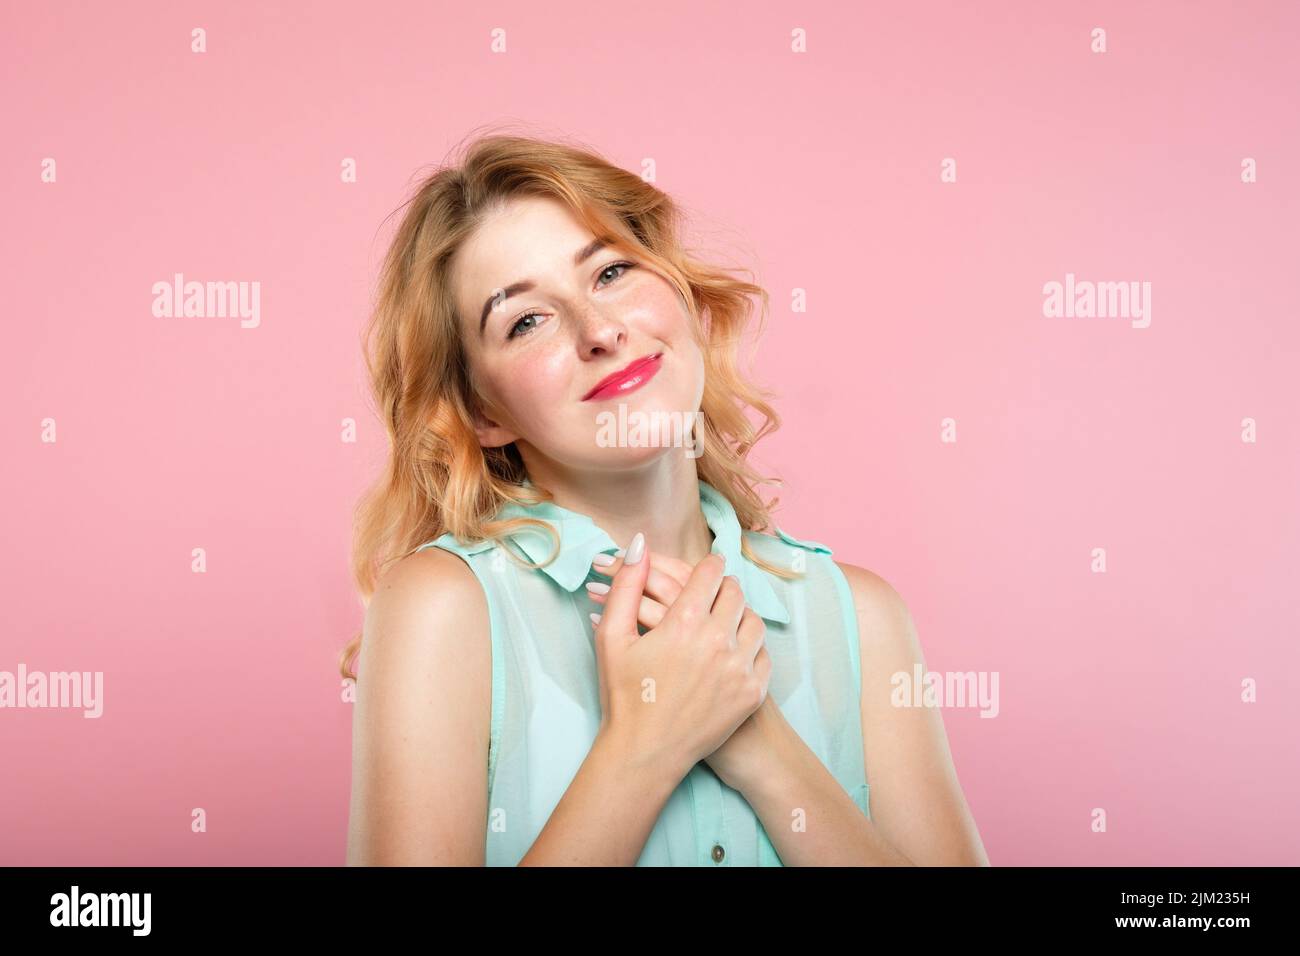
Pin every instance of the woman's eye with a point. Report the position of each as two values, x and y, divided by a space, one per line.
615 265
515 329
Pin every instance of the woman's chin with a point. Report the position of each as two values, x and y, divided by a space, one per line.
643 431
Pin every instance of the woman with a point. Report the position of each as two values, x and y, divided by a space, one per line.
579 645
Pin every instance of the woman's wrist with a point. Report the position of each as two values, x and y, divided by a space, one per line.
657 769
608 811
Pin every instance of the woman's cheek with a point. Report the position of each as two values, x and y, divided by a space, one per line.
652 313
535 384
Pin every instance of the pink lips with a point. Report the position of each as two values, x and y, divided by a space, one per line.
628 379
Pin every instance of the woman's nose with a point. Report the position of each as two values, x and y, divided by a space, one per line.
598 332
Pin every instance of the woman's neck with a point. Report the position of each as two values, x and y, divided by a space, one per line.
662 501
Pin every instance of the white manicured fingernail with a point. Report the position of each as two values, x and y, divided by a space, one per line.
603 560
636 549
595 618
598 587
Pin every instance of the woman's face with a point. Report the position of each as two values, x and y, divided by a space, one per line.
542 330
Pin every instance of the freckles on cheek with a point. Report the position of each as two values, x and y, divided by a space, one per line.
654 309
534 383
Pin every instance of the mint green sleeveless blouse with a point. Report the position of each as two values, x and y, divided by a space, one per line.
546 695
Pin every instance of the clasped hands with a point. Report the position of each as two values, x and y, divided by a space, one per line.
741 757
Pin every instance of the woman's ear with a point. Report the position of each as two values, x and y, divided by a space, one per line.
704 314
490 433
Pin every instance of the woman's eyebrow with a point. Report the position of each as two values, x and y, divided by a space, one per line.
579 257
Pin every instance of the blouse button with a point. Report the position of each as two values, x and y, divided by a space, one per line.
718 853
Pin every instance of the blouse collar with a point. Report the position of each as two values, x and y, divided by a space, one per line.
581 539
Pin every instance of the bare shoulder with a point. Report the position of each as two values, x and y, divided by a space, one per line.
425 587
884 619
428 616
423 717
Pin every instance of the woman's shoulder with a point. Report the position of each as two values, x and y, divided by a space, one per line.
869 586
426 606
432 568
884 619
423 688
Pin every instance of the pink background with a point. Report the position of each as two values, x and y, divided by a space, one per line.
821 170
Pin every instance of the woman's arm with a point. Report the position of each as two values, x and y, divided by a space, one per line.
422 720
421 730
606 815
809 817
916 801
918 813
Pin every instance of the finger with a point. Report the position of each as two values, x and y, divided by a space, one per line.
701 587
675 568
649 614
729 606
752 634
660 586
763 670
660 565
625 593
751 629
608 564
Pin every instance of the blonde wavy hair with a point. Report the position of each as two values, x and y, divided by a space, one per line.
438 478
